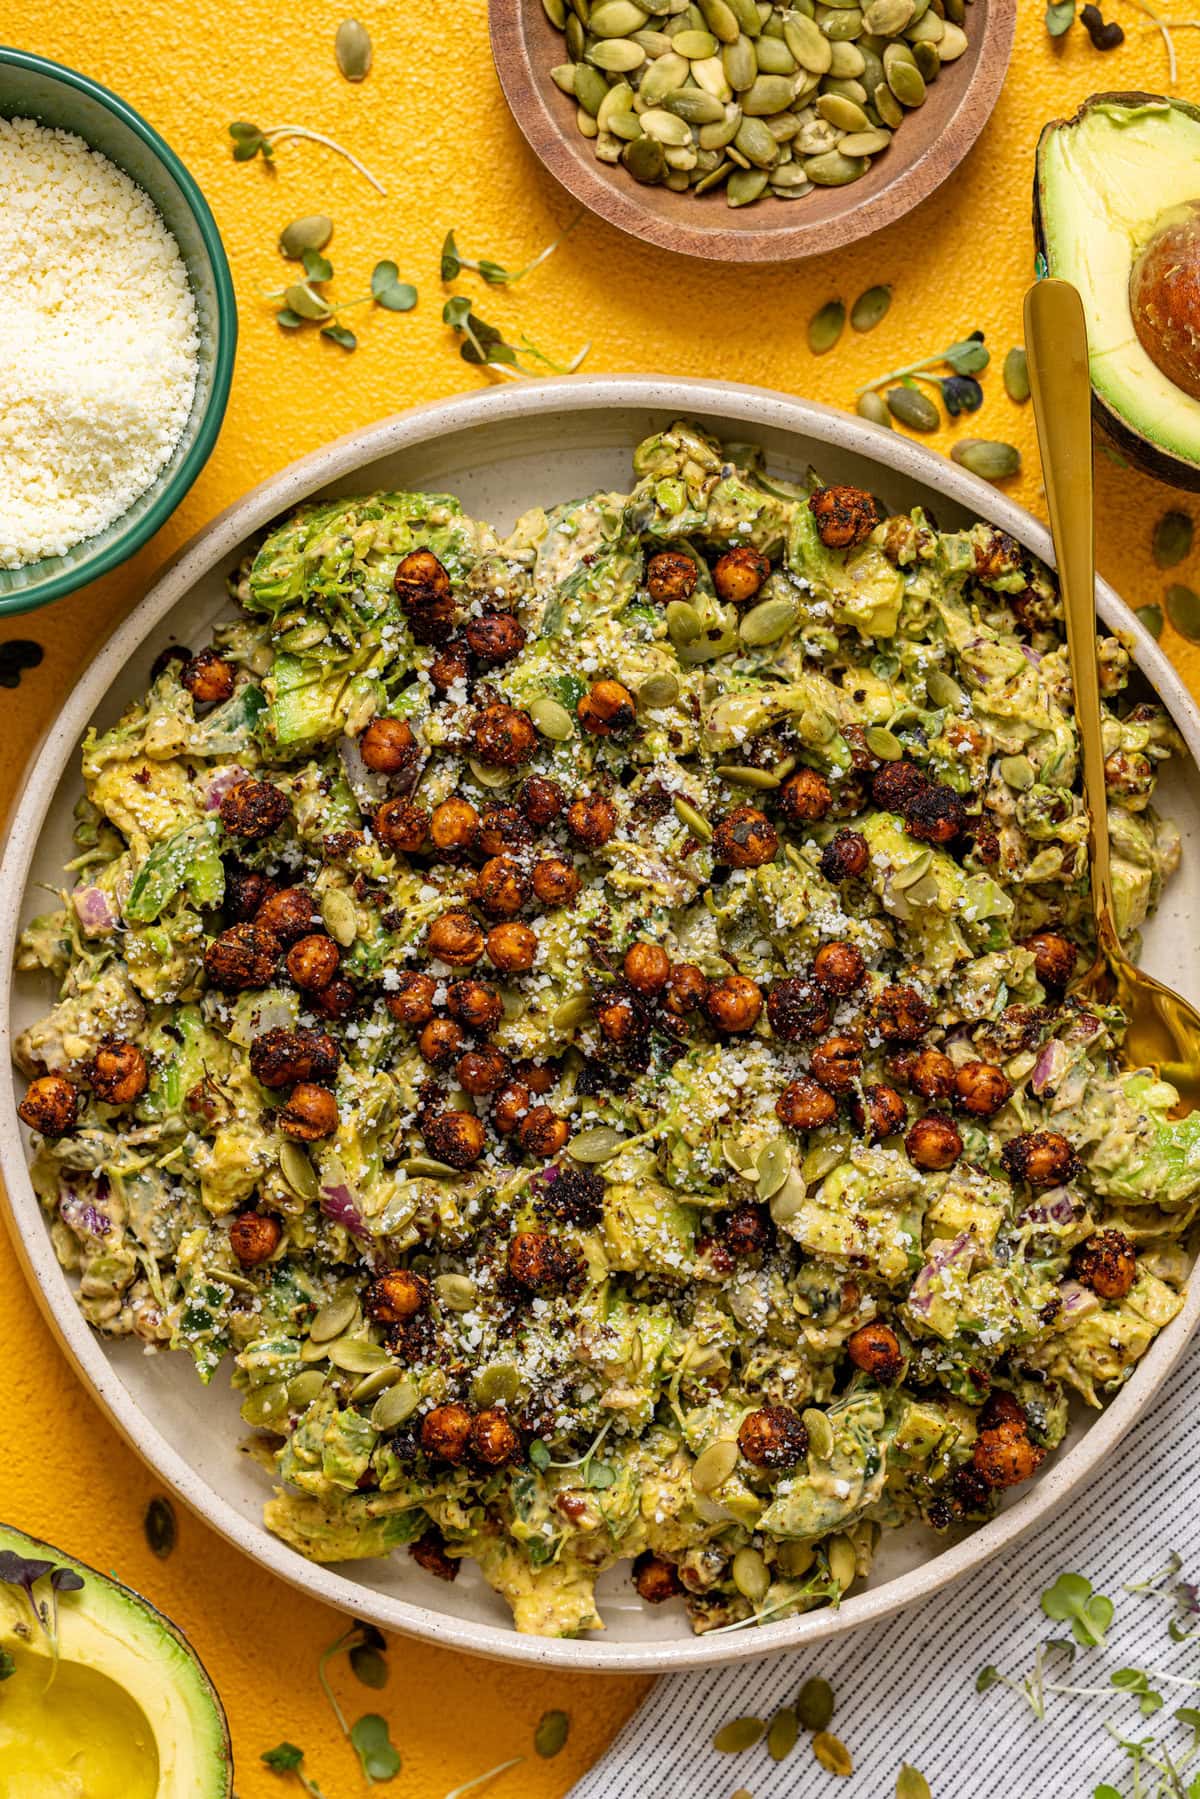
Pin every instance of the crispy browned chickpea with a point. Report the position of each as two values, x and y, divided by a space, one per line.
591 820
796 1009
254 1237
388 746
541 800
1043 1158
555 882
310 1113
606 709
895 784
50 1105
839 967
900 1014
494 1440
475 1004
935 815
454 824
243 956
539 1077
420 572
423 588
933 1142
620 1019
804 1105
455 938
805 797
932 1075
1053 957
245 891
453 1137
846 516
312 963
739 573
671 575
253 809
395 1296
647 967
401 827
501 887
281 1057
837 1062
773 1437
542 1263
503 737
745 838
687 989
338 1000
875 1348
496 637
339 846
734 1003
512 947
411 1002
481 1071
880 1112
510 1106
429 1552
209 678
118 1073
501 827
542 1132
441 1042
1004 1460
655 1579
446 1432
450 666
747 1231
845 856
981 1088
1107 1263
288 913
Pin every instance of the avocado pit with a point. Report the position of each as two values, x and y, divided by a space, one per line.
1164 296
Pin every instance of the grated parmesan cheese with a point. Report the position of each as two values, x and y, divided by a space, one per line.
98 342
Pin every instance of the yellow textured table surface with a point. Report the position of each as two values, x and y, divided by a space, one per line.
431 121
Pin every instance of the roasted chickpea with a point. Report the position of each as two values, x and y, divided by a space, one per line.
454 824
50 1105
243 956
997 556
542 1132
253 809
655 1579
510 1106
839 967
1107 1263
118 1073
288 913
245 891
895 784
845 856
254 1237
500 887
900 1014
555 882
739 573
620 1019
880 1112
481 1071
875 1348
475 1005
805 797
401 827
423 588
496 637
281 1057
209 678
981 1088
542 1263
797 1009
932 1075
933 1143
745 838
494 1440
503 737
773 1437
396 1296
804 1105
935 815
411 1002
338 1000
339 846
647 967
836 1062
747 1231
446 1433
1004 1460
1053 958
312 963
1043 1158
591 820
512 947
734 1003
671 575
606 709
441 1042
429 1552
455 938
451 667
310 1113
687 989
541 800
539 1077
388 746
501 828
846 516
453 1137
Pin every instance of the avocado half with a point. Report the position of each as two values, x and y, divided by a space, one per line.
126 1711
1103 180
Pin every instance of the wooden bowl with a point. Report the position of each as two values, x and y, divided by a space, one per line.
931 143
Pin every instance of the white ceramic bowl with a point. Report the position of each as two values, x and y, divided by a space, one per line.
501 451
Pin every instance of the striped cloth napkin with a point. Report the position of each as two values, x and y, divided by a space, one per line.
905 1688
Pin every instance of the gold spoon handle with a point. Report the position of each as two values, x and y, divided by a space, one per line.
1056 344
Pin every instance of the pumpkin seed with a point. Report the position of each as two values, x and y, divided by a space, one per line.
756 143
912 872
842 113
790 1198
297 1170
551 718
746 14
573 1011
865 143
831 169
739 1734
575 38
826 327
657 691
646 160
887 106
684 623
773 57
591 89
820 1432
714 1465
556 12
1151 619
739 1157
883 743
769 620
954 41
425 1168
457 1292
301 298
160 1528
842 26
782 1734
721 19
333 1319
887 18
1017 772
740 65
312 233
497 1384
616 18
871 308
618 99
814 1704
371 1385
664 126
709 73
1183 610
550 1737
770 93
991 461
913 408
832 1754
357 1355
808 43
339 915
395 1406
693 105
911 1783
794 1558
600 1144
304 1388
927 28
943 689
848 89
616 55
927 60
663 76
764 779
903 76
843 1563
750 1575
352 47
773 1166
848 61
873 406
266 1405
1172 539
697 46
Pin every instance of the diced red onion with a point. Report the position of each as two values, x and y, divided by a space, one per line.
81 1216
94 910
1077 1301
338 1206
1056 1205
1054 1058
921 1295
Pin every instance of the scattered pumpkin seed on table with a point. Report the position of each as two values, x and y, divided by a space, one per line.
1172 539
1151 617
826 327
1183 610
1016 376
911 1783
832 1753
814 1706
352 47
738 1735
913 408
991 461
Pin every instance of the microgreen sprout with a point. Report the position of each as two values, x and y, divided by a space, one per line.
369 1736
594 1475
469 1786
1034 1687
285 1758
250 141
485 346
303 303
25 1572
966 357
454 260
378 1754
1071 1601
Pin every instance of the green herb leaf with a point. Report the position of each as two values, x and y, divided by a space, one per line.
454 261
316 266
1104 1791
8 1666
988 1676
283 1758
369 1665
379 1757
451 265
339 334
600 1475
1071 1600
389 291
1060 16
968 357
289 320
248 141
539 1455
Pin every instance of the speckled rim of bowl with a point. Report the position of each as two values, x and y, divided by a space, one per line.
743 408
175 481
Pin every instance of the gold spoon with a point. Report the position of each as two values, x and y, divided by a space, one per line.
1163 1030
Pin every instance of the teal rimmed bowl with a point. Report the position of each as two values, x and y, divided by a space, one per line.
31 87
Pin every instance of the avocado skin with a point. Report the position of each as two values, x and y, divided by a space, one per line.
1124 437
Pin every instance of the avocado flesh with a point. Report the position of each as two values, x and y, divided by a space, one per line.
125 1712
1105 180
